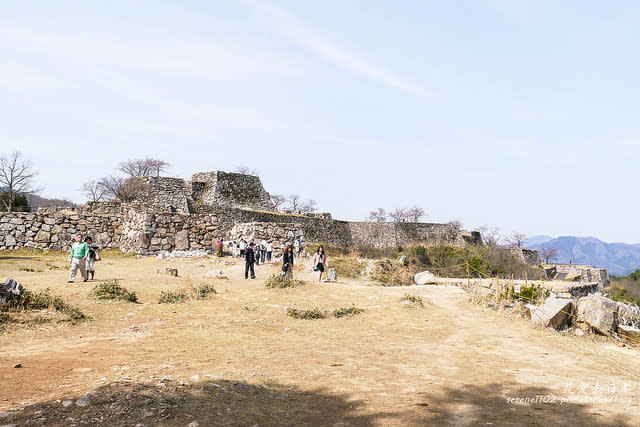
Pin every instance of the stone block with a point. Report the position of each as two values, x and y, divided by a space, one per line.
553 313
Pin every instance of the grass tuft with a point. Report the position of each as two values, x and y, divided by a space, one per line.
280 282
42 300
186 294
413 300
305 314
347 311
113 291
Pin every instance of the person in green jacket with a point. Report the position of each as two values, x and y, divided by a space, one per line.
78 258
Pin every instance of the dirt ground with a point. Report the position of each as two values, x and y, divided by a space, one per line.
236 358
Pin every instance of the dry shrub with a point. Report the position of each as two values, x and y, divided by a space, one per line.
113 291
276 281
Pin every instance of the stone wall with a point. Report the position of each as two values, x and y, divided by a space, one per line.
582 273
167 194
280 235
54 228
385 234
137 227
234 190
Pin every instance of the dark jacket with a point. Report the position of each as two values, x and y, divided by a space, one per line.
249 255
287 261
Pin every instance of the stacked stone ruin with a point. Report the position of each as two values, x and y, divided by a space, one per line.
174 213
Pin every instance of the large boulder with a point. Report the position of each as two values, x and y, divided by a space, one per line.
43 237
424 278
628 315
182 240
630 333
598 312
553 313
9 289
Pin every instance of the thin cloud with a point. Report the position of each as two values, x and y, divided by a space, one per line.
293 28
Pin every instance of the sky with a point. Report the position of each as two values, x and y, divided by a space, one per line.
518 114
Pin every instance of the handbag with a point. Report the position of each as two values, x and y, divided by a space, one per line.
98 258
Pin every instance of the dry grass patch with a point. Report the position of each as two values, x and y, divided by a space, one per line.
113 291
279 282
190 293
348 267
39 307
412 300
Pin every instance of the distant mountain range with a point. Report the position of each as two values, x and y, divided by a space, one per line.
619 259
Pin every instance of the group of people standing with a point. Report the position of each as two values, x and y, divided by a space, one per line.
83 256
320 262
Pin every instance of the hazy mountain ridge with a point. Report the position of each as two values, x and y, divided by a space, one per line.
618 258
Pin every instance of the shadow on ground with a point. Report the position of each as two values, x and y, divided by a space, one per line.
231 403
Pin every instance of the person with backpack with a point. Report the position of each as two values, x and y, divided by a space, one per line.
263 250
269 251
92 256
249 260
288 261
320 262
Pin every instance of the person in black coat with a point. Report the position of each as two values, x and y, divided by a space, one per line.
288 260
249 260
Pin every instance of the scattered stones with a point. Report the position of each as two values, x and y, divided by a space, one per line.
67 403
171 271
424 278
85 400
196 253
193 424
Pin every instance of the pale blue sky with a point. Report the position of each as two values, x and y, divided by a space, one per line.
517 114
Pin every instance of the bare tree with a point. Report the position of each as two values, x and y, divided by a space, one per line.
143 167
278 201
93 190
124 190
294 202
245 170
16 178
415 213
548 253
515 240
379 215
308 206
157 166
399 215
491 236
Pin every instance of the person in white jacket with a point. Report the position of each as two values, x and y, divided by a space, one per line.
320 262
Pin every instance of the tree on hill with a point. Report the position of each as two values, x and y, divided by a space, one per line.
20 203
379 215
515 240
143 167
246 170
123 189
278 201
548 253
17 177
93 190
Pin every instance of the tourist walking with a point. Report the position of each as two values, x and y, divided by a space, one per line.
320 262
243 247
269 251
288 261
263 250
92 256
234 249
78 258
220 245
249 260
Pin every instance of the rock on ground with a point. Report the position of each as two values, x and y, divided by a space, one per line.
553 313
599 312
424 278
630 333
